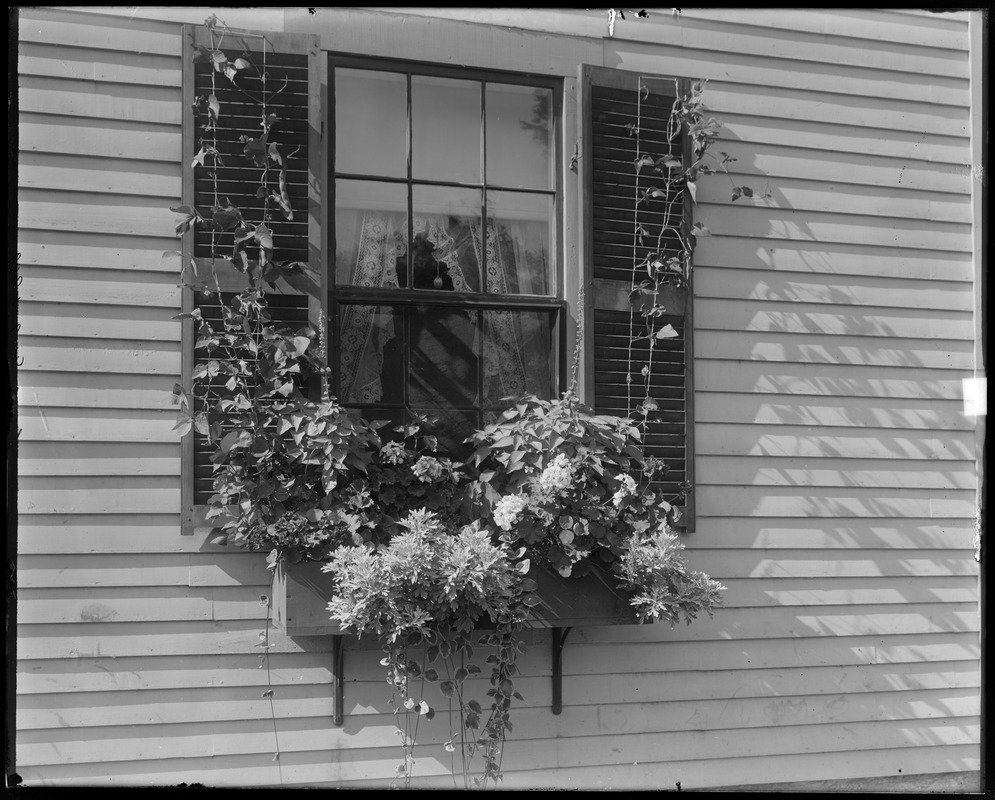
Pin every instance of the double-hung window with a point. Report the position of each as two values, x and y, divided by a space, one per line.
445 286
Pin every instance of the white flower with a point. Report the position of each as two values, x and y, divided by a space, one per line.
558 475
427 469
626 488
508 511
393 452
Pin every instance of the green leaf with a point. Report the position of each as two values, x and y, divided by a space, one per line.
264 235
213 106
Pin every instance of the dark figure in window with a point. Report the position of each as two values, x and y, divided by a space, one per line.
442 364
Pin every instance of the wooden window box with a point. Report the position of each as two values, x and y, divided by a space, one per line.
301 593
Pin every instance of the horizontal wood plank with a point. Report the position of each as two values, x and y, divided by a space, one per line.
103 138
853 533
831 260
818 411
878 591
50 58
104 459
809 473
51 171
762 315
96 425
772 440
758 222
99 213
228 568
159 105
99 251
136 675
865 562
818 349
848 291
719 375
63 354
705 61
760 159
107 639
139 34
161 496
73 606
714 499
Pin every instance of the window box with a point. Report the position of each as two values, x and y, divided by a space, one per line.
301 593
300 598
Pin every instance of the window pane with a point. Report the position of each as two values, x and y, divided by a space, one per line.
445 129
443 358
517 358
447 238
371 355
451 426
518 243
371 221
371 122
519 136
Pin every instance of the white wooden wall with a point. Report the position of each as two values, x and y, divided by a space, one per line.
837 474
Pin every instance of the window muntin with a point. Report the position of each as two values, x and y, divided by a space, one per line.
445 280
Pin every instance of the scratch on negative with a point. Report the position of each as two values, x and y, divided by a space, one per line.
41 413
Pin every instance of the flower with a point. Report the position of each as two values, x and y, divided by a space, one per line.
508 510
558 475
627 487
427 469
393 452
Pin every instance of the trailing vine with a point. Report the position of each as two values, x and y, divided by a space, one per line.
667 181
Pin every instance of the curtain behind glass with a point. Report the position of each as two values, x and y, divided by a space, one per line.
447 256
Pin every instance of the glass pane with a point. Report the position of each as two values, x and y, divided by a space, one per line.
519 228
447 238
445 129
519 136
371 122
371 221
443 358
371 355
518 355
451 427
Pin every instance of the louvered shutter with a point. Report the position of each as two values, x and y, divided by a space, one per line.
292 91
613 110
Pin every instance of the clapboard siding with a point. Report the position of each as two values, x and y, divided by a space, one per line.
836 471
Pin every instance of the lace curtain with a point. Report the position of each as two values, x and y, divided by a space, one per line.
513 347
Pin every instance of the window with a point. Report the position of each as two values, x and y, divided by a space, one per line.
445 284
429 207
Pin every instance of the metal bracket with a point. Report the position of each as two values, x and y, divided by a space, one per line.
559 638
338 673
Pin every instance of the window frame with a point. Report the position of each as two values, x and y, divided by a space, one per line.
337 295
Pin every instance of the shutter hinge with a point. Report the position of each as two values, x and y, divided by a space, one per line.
575 157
